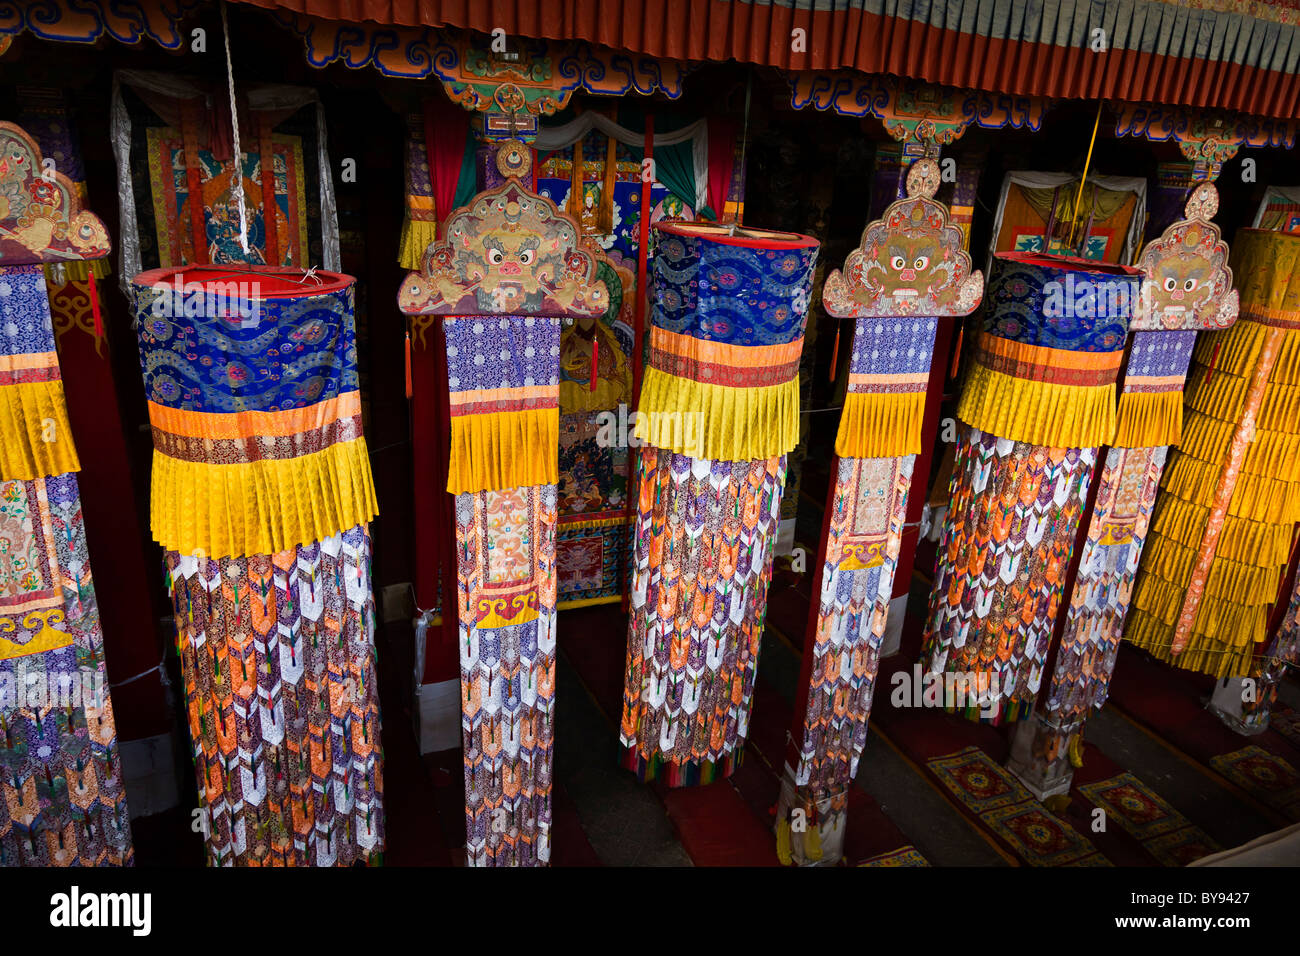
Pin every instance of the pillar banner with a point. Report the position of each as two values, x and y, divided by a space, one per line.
62 801
718 413
1037 402
908 271
1186 286
510 266
261 497
1230 497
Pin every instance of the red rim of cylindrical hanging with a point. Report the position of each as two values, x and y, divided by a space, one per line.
744 236
274 282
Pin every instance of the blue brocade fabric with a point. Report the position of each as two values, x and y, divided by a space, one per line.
1072 308
732 294
291 353
25 326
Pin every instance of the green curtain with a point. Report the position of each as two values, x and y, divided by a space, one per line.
467 181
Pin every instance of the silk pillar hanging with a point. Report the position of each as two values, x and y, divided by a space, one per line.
261 497
509 267
908 271
61 796
1038 400
1186 286
719 410
1222 533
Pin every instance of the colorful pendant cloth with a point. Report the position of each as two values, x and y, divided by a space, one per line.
510 266
278 656
61 797
719 412
1222 532
703 549
908 269
1039 399
1186 286
261 496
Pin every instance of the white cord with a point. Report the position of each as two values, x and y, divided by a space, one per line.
162 674
237 177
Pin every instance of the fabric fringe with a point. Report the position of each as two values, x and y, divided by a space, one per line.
718 421
504 450
260 507
880 425
35 434
1041 413
1256 497
1203 653
417 236
1148 419
1222 397
680 774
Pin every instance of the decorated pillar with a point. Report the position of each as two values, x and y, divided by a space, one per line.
1230 498
1186 286
509 267
261 497
719 411
1037 402
907 273
62 801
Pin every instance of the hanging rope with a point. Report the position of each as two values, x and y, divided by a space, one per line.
237 174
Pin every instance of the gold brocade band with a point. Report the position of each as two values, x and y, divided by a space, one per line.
35 434
504 450
716 421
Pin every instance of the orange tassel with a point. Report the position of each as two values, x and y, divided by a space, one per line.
595 361
956 353
835 352
408 362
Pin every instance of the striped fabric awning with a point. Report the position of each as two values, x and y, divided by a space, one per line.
1236 54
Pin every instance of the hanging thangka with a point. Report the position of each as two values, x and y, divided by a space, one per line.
719 411
177 175
1047 212
61 797
1038 400
1186 286
907 272
509 267
595 398
261 497
1221 537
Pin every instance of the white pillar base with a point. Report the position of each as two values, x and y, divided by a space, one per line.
149 774
1040 756
893 636
1225 703
437 716
831 822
